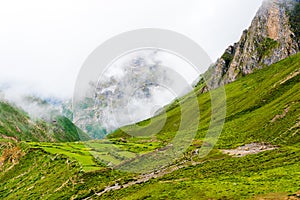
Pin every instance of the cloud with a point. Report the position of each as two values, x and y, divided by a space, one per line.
44 43
144 82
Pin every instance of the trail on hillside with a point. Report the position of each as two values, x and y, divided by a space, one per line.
253 148
146 177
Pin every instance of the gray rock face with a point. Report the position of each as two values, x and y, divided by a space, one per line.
268 40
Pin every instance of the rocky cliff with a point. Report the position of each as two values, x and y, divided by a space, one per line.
272 36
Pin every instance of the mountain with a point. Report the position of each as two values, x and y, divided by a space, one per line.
136 84
263 109
257 155
273 35
270 95
16 123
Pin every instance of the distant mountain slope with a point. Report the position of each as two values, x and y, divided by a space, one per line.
272 36
17 124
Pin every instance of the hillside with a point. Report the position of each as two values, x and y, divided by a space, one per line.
178 154
262 107
17 124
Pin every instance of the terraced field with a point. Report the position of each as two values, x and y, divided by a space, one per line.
100 154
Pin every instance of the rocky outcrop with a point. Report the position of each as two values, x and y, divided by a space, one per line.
269 39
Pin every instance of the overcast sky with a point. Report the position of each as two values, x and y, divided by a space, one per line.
44 43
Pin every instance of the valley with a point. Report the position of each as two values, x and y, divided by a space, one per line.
217 175
234 135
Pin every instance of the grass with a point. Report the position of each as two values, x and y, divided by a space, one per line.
16 123
96 155
229 178
264 49
251 104
81 155
39 174
261 107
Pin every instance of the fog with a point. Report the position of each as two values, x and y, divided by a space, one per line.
44 43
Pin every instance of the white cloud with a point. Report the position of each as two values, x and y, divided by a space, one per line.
44 43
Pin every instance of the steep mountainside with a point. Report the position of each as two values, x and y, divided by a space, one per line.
272 36
17 124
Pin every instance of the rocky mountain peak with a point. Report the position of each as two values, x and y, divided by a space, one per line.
270 38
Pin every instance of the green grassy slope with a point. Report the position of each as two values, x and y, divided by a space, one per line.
261 107
39 174
273 174
16 123
92 155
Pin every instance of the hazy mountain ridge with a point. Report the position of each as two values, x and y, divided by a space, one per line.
132 90
16 123
97 116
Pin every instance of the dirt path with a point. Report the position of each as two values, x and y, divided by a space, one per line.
247 149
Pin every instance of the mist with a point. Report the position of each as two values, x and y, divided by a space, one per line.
134 87
44 43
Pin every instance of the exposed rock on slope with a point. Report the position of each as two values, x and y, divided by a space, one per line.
269 39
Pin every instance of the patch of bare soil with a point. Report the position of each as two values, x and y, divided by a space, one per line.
247 149
11 154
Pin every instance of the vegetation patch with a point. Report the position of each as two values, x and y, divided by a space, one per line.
265 47
227 57
295 21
